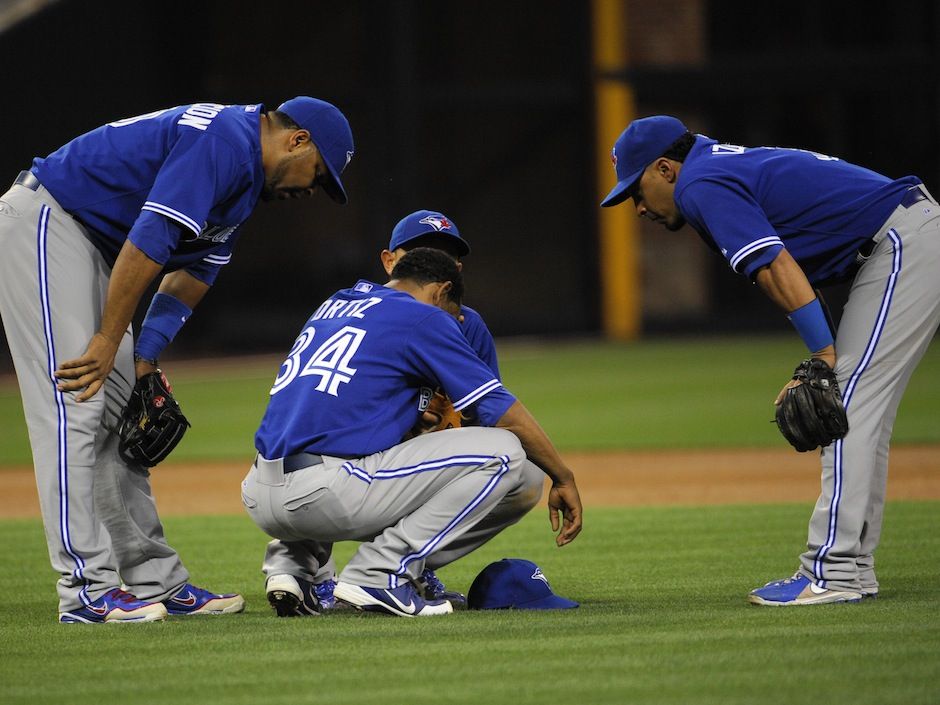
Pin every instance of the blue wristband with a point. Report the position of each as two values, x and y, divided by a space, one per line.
810 322
164 318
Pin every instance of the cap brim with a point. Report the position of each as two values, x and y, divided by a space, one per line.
333 187
622 191
549 602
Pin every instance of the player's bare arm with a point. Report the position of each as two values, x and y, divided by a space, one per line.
132 273
785 283
563 498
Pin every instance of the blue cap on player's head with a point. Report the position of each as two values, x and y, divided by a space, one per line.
642 143
329 130
422 223
516 583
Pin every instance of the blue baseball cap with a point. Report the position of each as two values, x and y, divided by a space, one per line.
642 143
329 130
427 223
516 583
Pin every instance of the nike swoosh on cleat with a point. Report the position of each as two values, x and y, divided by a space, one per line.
407 609
186 601
100 611
816 590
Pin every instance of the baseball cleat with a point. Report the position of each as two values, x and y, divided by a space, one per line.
431 588
190 599
403 601
291 596
799 590
115 607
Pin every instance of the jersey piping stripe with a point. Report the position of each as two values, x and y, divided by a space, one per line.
440 536
61 421
476 394
217 259
181 218
838 467
753 247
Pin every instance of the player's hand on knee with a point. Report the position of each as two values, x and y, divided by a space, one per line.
88 372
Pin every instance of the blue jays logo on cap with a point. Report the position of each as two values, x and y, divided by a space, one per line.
425 222
514 583
642 143
438 222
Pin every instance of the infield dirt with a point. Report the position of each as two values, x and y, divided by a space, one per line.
689 477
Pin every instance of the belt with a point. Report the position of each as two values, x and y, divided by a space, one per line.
299 461
914 195
27 179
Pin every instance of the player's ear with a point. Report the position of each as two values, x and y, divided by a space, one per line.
299 138
388 261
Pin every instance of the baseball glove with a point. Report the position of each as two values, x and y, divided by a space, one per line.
152 423
811 414
438 416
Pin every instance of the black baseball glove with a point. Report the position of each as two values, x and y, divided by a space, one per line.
811 414
152 423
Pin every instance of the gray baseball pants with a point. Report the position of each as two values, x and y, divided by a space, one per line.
100 518
891 316
421 504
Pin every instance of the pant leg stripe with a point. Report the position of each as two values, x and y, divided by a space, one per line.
437 538
62 422
878 329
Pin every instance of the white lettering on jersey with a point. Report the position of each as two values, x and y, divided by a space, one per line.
291 366
331 361
200 115
344 307
131 120
719 149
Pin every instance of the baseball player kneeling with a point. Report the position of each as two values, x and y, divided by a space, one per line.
331 465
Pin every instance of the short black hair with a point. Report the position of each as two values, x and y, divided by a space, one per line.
426 265
680 149
283 120
436 241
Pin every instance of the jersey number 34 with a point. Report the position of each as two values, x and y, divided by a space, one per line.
331 362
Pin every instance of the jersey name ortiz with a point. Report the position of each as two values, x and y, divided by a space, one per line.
352 383
177 183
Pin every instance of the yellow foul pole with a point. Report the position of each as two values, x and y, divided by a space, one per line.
618 233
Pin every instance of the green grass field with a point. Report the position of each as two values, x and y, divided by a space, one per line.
669 394
663 616
663 620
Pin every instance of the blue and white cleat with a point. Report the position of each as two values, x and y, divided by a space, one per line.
115 607
190 599
291 596
430 587
403 601
799 590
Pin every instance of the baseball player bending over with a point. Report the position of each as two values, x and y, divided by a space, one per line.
790 220
84 232
331 465
300 583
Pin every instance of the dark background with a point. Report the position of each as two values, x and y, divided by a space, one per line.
482 110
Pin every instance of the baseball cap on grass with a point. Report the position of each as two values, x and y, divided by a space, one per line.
425 222
515 583
643 142
330 132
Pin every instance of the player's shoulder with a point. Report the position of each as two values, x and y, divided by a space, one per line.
236 125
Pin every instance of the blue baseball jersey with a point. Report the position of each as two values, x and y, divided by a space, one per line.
178 183
751 202
362 371
480 338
